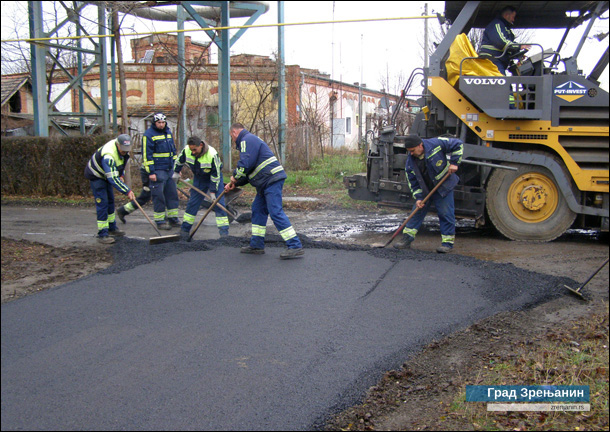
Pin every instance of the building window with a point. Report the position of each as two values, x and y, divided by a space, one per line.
348 125
15 103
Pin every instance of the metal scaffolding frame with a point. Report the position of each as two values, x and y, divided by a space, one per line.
44 115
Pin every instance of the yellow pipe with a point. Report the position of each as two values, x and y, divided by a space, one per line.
222 28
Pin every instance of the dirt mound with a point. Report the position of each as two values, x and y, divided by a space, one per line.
29 267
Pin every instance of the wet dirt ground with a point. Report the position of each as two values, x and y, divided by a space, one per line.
57 252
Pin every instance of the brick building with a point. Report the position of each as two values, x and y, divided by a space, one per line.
329 110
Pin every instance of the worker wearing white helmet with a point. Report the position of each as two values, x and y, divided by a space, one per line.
158 158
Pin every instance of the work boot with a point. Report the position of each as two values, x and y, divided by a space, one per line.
105 240
224 232
164 226
121 213
116 233
405 243
184 235
174 223
444 248
251 250
292 253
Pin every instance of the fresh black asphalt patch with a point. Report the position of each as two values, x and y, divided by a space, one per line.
198 336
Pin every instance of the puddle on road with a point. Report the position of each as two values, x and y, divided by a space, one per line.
366 226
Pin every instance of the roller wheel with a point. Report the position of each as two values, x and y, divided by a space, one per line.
527 204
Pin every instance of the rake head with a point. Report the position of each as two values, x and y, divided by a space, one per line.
164 239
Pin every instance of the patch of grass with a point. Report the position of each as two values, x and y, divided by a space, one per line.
327 173
578 356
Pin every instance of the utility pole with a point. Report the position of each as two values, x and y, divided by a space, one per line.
360 92
426 36
281 84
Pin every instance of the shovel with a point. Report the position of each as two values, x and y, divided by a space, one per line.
577 291
161 238
194 230
233 215
401 227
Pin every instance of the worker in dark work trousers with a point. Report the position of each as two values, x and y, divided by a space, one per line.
146 193
206 167
258 166
142 199
158 158
105 171
498 37
426 165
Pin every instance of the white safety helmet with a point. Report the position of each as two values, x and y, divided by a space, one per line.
124 142
159 117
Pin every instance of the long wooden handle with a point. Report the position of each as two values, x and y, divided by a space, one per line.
401 227
208 197
154 225
193 231
593 275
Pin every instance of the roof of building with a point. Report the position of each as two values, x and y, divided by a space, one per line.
11 85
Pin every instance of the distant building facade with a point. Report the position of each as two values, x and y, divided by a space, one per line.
327 112
17 104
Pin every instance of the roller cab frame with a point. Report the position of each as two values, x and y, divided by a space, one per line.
536 153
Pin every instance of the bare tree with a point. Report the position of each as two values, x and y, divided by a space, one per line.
60 20
193 91
315 111
255 99
16 55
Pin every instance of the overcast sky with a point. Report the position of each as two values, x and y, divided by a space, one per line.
368 52
349 52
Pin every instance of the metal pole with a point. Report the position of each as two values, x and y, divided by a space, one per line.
360 91
79 66
39 75
113 48
588 30
181 79
426 36
281 84
101 19
225 87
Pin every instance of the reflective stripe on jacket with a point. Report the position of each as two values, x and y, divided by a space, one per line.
108 164
496 37
436 151
257 165
208 165
158 150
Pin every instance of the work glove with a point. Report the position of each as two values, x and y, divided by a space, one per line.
175 177
213 196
